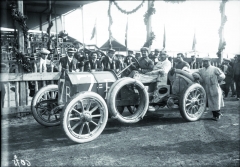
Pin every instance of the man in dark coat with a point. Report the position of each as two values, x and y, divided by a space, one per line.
193 63
93 64
227 70
108 63
68 62
181 64
236 75
155 57
79 55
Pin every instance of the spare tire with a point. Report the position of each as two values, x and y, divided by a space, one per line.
141 105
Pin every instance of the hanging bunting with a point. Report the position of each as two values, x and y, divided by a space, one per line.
128 12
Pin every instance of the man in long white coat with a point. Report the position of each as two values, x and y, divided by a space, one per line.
212 76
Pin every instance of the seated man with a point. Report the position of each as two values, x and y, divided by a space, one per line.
181 64
156 78
145 63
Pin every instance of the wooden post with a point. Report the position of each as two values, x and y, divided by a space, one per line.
149 24
22 86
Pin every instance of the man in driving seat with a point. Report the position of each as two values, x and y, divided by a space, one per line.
156 77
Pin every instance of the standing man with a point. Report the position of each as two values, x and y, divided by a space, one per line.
236 75
68 62
193 63
108 63
79 55
92 64
42 63
227 70
212 76
181 64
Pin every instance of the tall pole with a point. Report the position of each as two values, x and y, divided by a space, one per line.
149 24
22 87
96 30
83 31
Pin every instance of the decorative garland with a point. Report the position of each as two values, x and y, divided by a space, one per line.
128 12
150 41
222 44
21 58
110 23
174 1
149 12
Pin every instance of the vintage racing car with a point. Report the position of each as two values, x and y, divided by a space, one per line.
82 102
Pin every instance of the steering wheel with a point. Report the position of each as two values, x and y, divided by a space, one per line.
134 62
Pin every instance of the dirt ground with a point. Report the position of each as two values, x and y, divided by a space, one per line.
154 141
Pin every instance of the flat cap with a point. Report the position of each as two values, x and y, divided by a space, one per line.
144 49
156 50
111 50
130 51
71 50
44 51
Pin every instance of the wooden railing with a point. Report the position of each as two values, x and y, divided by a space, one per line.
14 95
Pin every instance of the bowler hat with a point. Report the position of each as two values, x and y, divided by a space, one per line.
44 51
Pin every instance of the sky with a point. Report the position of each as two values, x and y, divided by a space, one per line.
181 20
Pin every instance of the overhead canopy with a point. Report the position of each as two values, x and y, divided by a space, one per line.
35 10
115 45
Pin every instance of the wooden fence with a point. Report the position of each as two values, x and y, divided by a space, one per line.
15 95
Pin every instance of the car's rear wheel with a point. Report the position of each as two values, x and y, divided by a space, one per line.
44 106
193 102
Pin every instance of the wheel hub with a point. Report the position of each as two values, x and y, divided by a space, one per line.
87 116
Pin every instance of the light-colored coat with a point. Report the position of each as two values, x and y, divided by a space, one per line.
211 77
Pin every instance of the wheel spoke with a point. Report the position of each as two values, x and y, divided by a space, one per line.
81 128
98 115
76 118
48 95
94 109
56 117
76 111
130 109
187 104
49 117
76 125
94 123
89 105
44 111
88 128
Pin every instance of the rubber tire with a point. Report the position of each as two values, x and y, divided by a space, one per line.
66 109
142 108
35 100
182 103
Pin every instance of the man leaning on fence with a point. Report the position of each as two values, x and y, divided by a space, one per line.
68 62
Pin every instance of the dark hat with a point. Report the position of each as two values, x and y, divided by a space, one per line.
193 56
144 49
130 51
226 59
156 50
111 50
71 50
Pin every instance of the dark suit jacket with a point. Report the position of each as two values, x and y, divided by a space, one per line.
71 65
109 65
90 65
